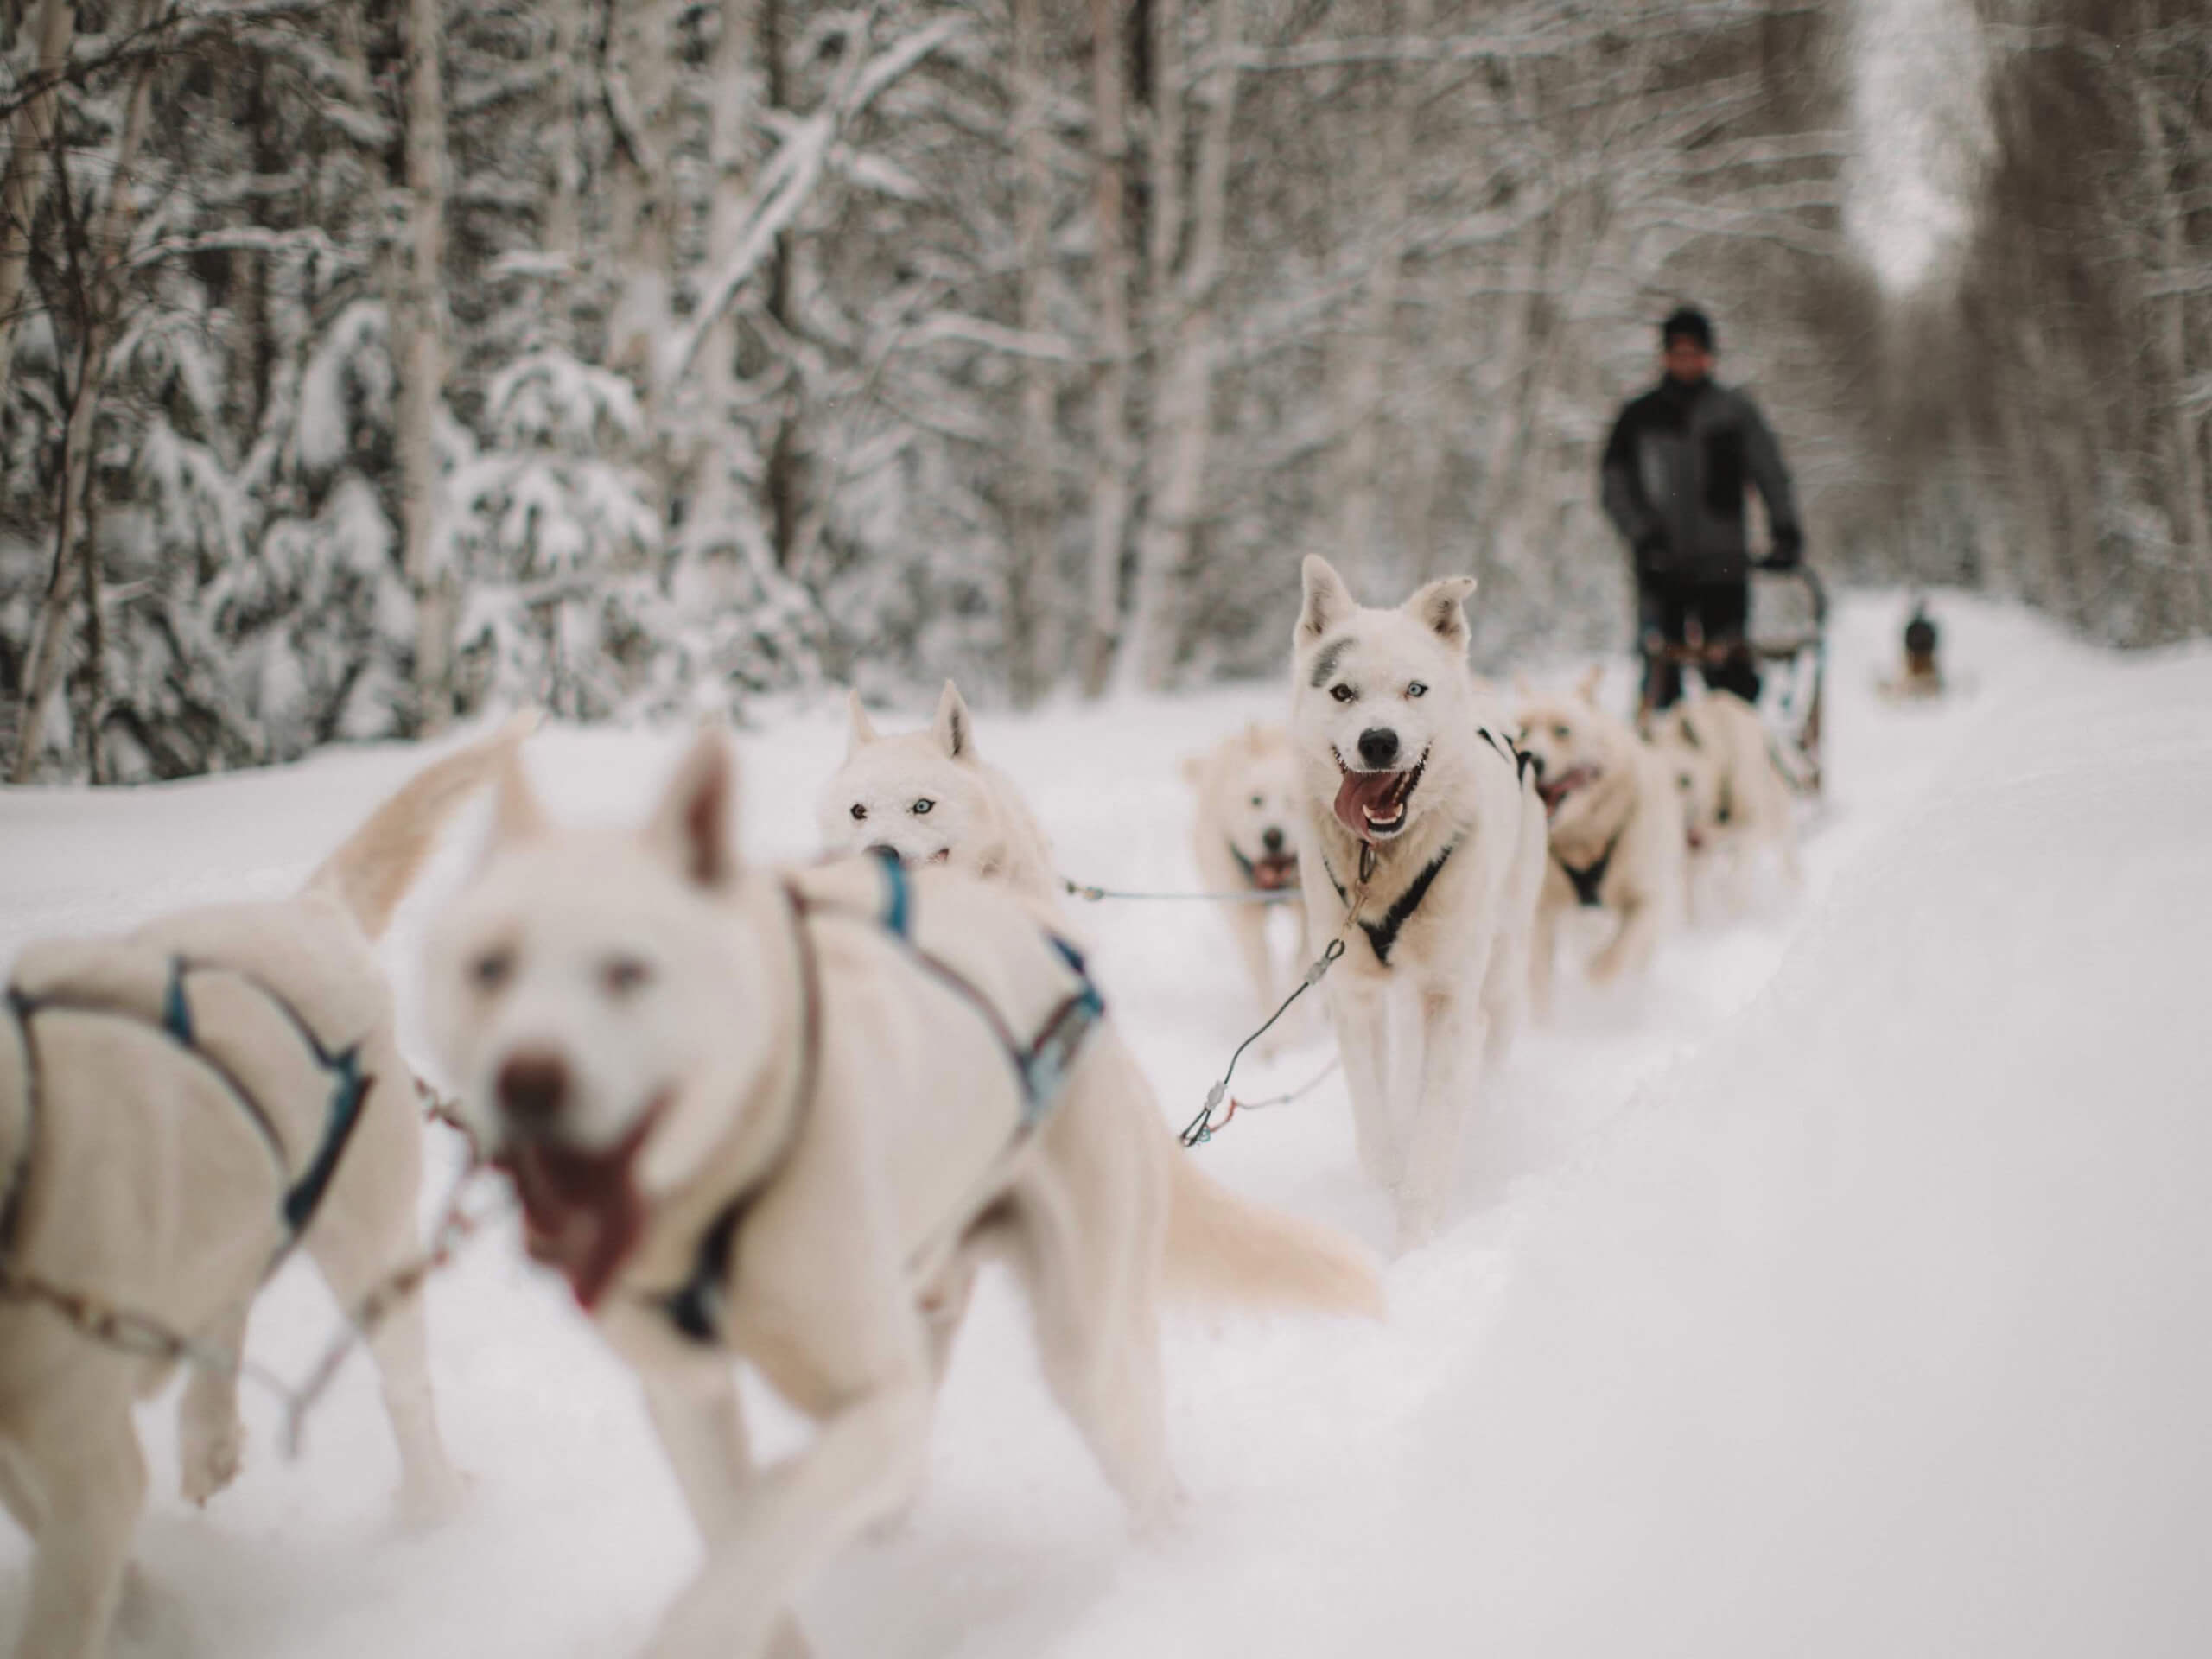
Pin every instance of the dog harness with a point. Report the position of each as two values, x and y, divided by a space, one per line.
1587 879
1040 1067
349 1088
1382 936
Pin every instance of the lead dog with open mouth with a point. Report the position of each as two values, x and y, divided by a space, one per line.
763 1115
1421 829
1617 834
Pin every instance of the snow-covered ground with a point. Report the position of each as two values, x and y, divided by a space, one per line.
1845 1291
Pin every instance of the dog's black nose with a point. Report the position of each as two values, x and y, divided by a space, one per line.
1378 745
1271 840
533 1088
1536 764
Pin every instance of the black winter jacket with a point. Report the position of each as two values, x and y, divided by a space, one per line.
1674 476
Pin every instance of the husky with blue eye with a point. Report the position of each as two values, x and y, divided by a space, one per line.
928 796
1421 827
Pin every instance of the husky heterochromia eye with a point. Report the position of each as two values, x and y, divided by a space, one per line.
1343 693
1416 689
859 811
623 975
491 969
922 806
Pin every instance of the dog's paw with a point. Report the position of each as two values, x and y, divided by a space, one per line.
210 1456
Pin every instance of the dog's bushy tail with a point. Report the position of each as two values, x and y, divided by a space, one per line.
1225 1248
371 872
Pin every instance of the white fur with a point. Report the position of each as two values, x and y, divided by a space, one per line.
1247 788
1458 968
1737 804
930 798
1630 804
880 1171
146 1185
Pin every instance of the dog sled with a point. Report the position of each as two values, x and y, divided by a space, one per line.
1787 640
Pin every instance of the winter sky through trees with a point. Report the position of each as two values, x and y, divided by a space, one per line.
365 364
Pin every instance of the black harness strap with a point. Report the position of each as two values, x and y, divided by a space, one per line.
1383 935
695 1307
19 1006
1590 877
1508 750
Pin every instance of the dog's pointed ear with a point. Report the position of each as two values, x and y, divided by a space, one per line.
860 730
1441 608
517 814
692 826
1328 601
954 729
1588 688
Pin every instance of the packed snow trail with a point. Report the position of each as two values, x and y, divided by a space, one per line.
1843 1291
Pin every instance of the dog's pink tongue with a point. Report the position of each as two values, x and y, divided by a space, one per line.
1361 791
581 1213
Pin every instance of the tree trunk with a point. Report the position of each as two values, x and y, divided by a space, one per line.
641 77
100 276
730 151
419 332
1110 491
2190 511
28 164
1183 412
1031 562
1360 483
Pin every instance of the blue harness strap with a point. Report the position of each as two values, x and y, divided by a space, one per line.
898 903
1040 1067
1045 1065
349 1088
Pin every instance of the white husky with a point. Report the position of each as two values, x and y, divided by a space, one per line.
764 1115
178 1108
928 797
1617 841
1245 836
1737 803
1417 813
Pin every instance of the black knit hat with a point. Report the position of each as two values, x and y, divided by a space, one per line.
1687 321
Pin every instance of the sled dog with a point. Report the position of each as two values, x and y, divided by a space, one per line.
179 1109
1245 836
1617 841
1737 802
761 1114
928 796
1416 813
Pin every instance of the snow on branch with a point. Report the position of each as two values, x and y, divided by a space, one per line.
788 181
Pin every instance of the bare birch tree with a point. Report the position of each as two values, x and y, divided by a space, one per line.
418 329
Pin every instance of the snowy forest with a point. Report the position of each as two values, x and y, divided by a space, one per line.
364 364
